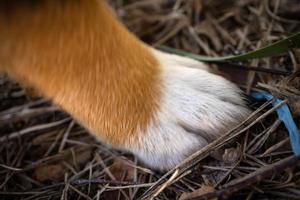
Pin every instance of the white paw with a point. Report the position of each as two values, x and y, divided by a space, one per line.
196 107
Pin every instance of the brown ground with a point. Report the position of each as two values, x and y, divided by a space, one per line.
44 154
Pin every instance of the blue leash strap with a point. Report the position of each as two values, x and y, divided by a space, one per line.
285 116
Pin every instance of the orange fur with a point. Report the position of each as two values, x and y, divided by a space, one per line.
78 54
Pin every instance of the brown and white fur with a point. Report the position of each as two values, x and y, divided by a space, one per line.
160 107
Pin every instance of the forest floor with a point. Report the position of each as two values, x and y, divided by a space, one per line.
45 154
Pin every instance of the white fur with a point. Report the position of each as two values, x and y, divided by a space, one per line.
196 107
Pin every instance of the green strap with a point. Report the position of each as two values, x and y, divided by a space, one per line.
276 48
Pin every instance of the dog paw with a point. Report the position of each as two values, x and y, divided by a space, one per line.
195 108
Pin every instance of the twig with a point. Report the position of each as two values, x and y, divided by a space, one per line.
32 129
66 135
254 177
204 152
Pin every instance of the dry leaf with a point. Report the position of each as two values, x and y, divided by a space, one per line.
49 172
122 171
201 191
231 155
56 169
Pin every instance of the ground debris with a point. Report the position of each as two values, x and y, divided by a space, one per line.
44 154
